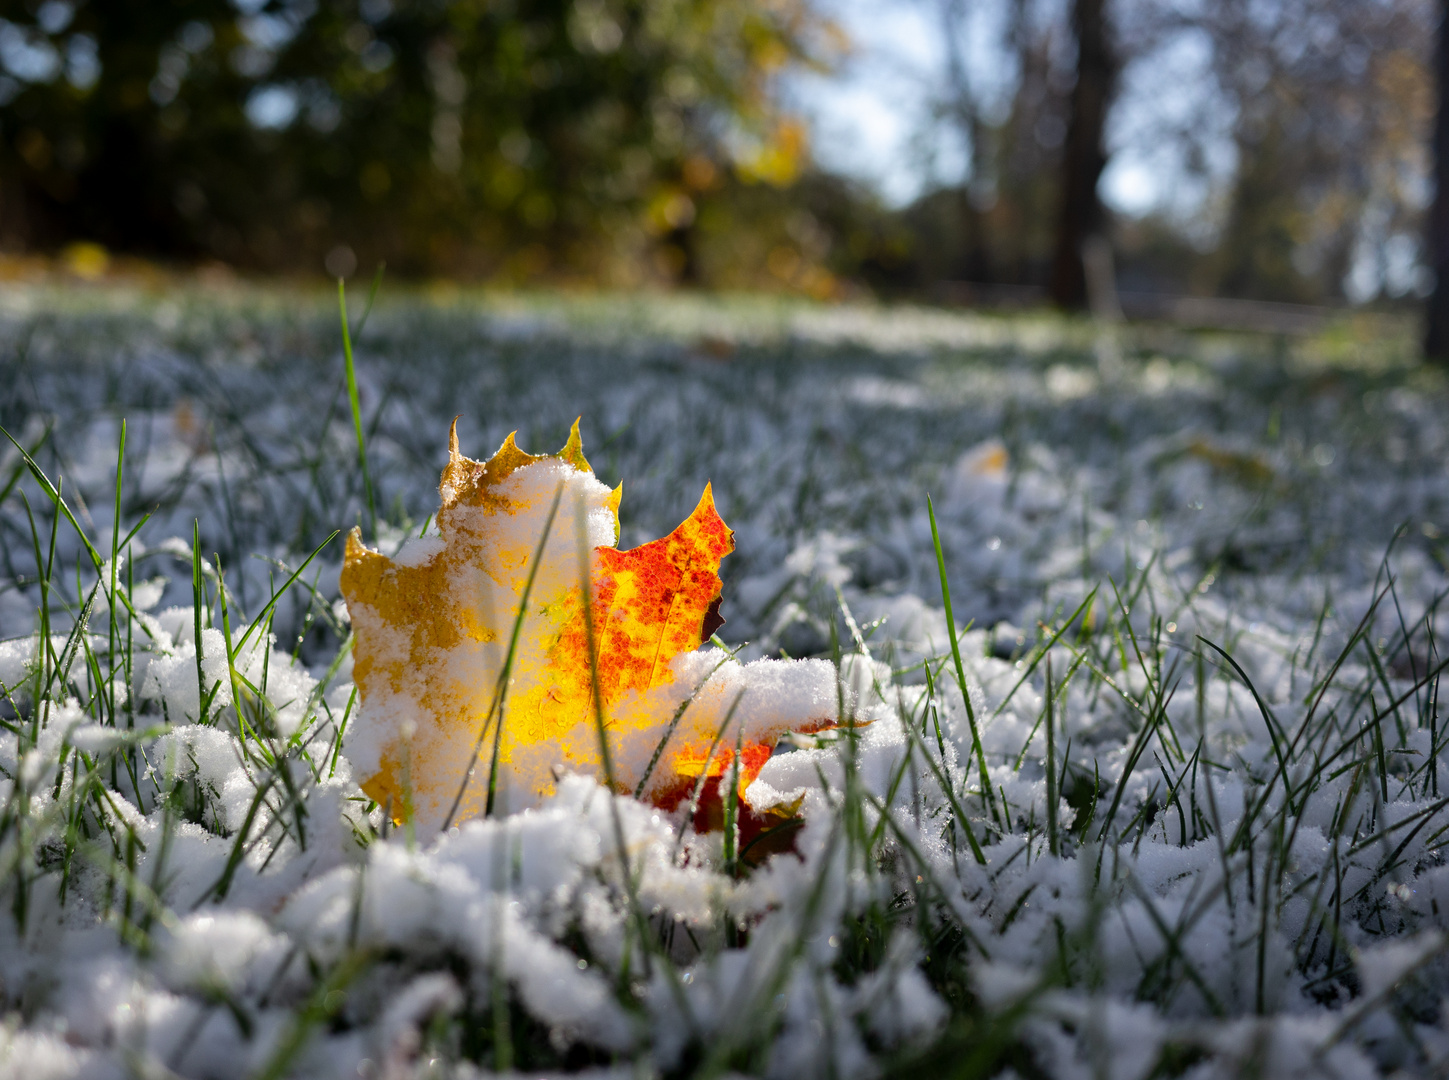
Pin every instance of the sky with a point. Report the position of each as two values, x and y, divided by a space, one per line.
871 119
866 117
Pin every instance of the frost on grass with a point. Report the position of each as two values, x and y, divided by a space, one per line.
1178 811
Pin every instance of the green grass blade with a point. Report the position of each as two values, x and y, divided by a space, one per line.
356 410
960 668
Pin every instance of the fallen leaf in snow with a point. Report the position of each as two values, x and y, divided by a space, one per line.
988 459
434 624
1248 469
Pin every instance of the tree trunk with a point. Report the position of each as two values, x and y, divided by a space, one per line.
1436 333
1080 213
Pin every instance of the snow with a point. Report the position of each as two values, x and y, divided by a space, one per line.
233 904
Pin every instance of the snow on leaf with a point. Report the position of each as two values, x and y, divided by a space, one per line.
434 626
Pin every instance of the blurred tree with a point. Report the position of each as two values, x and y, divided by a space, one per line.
474 136
96 143
1331 105
1436 321
997 224
1079 207
1289 139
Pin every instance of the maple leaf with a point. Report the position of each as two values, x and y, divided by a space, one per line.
464 698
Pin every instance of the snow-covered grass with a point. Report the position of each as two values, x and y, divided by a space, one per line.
1196 588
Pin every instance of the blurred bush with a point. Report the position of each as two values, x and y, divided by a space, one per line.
607 140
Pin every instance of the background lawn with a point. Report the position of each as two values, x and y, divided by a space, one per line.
1243 871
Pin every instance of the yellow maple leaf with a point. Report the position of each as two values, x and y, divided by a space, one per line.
438 627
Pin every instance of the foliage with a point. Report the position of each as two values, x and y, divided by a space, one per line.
463 136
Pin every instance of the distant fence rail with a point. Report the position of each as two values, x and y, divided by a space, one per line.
1197 312
1215 313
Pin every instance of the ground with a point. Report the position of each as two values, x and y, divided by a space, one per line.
1195 586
